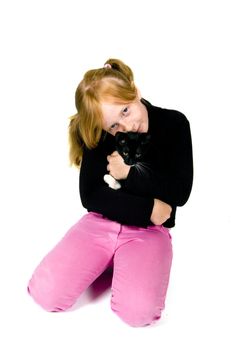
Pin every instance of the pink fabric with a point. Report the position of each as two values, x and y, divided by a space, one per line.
141 260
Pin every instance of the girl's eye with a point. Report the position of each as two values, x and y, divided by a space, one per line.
114 126
125 110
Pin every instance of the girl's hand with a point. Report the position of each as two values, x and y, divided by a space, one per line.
161 212
116 166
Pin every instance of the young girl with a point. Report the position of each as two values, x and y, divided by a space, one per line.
127 228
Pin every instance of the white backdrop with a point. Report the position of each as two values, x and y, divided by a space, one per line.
181 54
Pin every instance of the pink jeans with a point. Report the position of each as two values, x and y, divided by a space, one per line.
141 260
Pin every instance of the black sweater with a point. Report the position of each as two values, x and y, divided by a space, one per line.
169 179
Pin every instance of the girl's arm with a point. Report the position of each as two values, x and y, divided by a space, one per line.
117 205
173 183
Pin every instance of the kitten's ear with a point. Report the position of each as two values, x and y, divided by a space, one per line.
119 136
146 139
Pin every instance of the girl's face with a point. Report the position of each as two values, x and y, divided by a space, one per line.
132 116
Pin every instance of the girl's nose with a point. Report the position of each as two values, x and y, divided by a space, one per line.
125 127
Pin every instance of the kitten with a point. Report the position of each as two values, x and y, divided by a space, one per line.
132 147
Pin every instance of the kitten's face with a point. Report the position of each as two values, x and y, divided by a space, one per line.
132 146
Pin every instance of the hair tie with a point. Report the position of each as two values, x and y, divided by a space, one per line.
107 65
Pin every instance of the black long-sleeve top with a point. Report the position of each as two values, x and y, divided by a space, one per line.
169 176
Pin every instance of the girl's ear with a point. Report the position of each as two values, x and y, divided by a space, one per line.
139 93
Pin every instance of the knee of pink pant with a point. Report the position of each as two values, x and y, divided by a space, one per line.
48 300
138 316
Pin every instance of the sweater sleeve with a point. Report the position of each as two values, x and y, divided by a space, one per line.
117 205
170 182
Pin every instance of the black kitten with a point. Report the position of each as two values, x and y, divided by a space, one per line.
132 147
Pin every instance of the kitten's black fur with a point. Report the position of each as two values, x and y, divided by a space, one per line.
132 146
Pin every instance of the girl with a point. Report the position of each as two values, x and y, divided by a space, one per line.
128 228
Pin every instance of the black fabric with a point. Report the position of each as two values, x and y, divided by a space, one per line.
169 179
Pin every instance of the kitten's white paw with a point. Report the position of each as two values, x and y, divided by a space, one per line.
112 183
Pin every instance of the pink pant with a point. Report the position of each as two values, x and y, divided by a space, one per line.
141 266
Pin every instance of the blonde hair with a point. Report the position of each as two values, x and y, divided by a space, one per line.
115 84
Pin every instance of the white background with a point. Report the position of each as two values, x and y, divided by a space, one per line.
181 54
